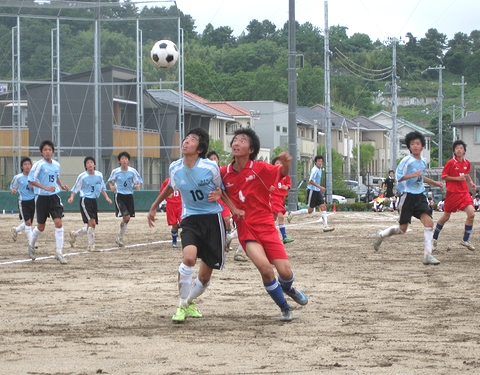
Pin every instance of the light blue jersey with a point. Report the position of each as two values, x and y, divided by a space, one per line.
125 180
21 185
45 174
315 176
410 165
195 184
89 186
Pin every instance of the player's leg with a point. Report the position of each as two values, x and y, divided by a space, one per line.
470 211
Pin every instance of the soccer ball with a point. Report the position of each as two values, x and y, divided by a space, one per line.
164 54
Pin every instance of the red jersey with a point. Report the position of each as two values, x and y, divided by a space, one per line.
175 198
456 168
249 189
277 198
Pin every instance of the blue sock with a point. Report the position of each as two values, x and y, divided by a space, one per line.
286 284
466 234
273 288
283 231
437 230
174 236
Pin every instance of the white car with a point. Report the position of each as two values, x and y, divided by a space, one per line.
338 199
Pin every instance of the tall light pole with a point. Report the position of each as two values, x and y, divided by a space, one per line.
328 120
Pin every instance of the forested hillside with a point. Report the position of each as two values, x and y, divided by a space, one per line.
253 66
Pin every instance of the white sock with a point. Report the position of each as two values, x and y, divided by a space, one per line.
20 227
428 235
123 228
28 232
91 236
184 283
390 231
303 211
59 239
197 290
34 237
80 232
324 218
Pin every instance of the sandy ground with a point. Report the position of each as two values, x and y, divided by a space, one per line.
368 313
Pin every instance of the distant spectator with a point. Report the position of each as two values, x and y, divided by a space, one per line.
431 204
440 205
476 202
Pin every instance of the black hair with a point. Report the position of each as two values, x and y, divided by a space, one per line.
391 170
318 157
123 153
254 140
47 142
24 159
210 153
87 158
274 160
412 136
457 143
203 140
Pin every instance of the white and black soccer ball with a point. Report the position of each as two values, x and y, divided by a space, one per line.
164 53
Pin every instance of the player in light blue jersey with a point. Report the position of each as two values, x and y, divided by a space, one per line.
413 202
89 185
123 181
203 229
26 199
45 179
315 196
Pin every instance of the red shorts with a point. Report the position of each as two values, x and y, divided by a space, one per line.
278 205
457 201
264 234
174 213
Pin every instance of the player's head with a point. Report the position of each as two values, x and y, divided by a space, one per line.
391 172
24 160
275 159
203 140
212 155
123 153
253 138
413 136
47 143
87 159
459 143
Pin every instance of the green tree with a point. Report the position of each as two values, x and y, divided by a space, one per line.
367 153
217 146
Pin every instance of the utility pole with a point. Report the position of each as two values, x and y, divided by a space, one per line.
394 135
292 107
440 113
328 119
463 84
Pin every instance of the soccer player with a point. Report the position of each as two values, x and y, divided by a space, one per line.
226 213
389 183
411 176
247 182
203 229
456 173
44 177
314 195
277 199
89 185
26 199
173 208
123 181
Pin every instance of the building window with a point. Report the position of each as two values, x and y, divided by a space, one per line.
340 136
120 91
403 145
232 126
477 135
284 129
277 128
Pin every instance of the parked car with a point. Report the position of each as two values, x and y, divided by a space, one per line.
372 191
338 199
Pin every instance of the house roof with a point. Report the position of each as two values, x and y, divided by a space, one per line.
225 107
368 124
402 121
318 112
472 118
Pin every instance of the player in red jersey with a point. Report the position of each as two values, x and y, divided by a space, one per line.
247 183
277 200
174 211
456 173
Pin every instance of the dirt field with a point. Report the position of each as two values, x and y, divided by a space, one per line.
368 313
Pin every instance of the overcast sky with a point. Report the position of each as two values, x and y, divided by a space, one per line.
377 18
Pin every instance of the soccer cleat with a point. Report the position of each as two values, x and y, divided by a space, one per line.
289 217
378 240
14 234
72 239
240 255
430 260
60 258
434 245
119 241
180 314
31 252
91 248
297 296
174 244
468 245
193 311
288 240
287 315
327 229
